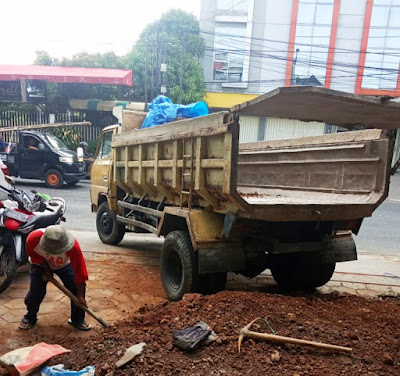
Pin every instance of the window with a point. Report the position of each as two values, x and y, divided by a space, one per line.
105 148
312 41
229 51
382 56
232 6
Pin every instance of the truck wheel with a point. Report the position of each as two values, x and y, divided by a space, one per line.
300 273
53 179
178 265
108 229
212 283
8 267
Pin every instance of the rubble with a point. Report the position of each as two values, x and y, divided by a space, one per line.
324 318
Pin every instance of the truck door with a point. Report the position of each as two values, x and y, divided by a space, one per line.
102 168
33 155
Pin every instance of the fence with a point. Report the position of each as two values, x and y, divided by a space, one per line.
99 120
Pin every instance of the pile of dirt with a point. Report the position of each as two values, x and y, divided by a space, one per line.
370 326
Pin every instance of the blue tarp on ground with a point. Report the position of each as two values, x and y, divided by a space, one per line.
162 110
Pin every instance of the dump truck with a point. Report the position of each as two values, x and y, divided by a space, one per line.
291 206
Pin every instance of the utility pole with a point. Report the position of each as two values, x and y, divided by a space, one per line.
145 75
152 71
181 70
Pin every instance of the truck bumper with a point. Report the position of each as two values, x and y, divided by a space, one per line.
70 177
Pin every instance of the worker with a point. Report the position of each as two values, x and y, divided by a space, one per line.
55 250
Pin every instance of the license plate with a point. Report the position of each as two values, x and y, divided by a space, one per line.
18 216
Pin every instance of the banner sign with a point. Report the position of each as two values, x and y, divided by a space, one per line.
27 91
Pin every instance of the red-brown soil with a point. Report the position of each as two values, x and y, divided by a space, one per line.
370 326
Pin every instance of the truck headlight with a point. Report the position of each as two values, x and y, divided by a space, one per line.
65 159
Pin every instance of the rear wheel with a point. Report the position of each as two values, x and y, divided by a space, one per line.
53 179
178 265
300 272
8 267
108 229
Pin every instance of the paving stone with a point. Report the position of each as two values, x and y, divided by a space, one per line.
54 296
99 293
52 319
14 316
4 299
122 298
53 307
15 304
3 322
16 293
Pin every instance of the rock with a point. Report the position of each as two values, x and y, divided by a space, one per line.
388 359
275 357
302 359
354 336
130 354
291 317
367 360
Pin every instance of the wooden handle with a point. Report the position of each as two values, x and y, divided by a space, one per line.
274 338
76 301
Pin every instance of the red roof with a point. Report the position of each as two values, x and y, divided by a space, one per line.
66 74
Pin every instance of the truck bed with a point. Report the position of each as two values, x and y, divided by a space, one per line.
199 163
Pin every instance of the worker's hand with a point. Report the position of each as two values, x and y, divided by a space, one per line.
82 300
47 275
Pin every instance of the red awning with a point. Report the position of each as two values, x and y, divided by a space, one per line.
66 74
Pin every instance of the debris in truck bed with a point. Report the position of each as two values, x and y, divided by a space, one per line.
370 326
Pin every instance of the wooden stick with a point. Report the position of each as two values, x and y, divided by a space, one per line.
246 333
45 126
76 301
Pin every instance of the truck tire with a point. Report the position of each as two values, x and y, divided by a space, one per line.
8 267
53 179
211 283
178 265
108 229
296 272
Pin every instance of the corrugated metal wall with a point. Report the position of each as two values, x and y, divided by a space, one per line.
248 128
280 129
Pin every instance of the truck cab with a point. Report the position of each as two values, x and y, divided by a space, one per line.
43 156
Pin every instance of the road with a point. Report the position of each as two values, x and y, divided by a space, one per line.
379 234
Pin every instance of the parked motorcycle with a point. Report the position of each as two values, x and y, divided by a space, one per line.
20 214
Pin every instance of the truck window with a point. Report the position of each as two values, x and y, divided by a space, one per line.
105 149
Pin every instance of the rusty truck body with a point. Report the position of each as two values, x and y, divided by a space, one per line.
287 205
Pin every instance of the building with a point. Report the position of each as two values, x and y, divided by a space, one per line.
254 46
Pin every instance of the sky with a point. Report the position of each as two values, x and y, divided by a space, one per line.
65 27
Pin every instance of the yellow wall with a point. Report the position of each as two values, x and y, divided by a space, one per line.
227 100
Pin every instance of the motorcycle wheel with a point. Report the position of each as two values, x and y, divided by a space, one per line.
8 267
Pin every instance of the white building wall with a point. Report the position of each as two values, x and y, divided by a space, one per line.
348 44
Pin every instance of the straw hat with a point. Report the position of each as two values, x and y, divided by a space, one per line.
56 240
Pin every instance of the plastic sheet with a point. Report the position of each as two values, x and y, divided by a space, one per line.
162 110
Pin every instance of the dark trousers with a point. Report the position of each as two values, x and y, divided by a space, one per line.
37 291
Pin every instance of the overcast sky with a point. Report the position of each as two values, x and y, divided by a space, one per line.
65 27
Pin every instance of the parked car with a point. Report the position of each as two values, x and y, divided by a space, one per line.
43 156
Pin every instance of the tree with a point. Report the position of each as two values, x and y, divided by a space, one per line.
175 40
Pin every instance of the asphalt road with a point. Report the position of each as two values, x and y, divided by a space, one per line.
379 234
78 215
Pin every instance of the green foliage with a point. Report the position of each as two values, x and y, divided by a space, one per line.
178 35
68 135
92 146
